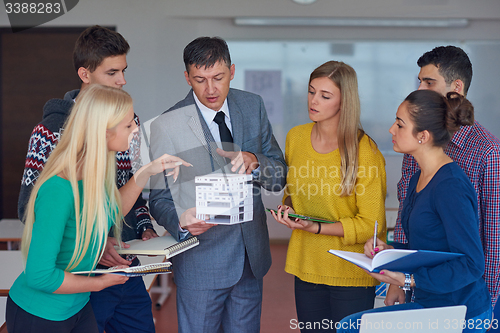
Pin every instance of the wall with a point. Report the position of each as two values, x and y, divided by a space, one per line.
159 30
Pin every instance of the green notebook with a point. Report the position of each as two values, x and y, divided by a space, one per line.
303 217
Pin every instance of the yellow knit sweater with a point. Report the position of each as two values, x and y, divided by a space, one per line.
313 183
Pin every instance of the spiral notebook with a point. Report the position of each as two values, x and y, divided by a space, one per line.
158 268
164 245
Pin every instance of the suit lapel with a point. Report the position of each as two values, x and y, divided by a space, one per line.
197 129
236 120
193 122
202 133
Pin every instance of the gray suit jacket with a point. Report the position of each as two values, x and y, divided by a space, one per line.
218 261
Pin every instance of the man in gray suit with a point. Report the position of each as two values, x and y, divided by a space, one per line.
219 282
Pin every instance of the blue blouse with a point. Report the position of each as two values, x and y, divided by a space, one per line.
443 217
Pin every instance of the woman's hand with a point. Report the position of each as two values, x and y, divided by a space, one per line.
133 188
161 164
73 284
370 252
108 280
393 278
165 162
292 223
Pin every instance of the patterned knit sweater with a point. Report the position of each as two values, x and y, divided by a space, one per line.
313 183
44 139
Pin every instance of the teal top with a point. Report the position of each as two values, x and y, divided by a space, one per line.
51 249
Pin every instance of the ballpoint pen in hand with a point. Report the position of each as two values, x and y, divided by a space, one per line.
375 236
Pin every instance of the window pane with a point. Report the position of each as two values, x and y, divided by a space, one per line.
387 73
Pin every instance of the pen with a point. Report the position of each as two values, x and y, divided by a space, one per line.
375 235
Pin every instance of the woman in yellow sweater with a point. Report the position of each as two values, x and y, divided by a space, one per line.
336 172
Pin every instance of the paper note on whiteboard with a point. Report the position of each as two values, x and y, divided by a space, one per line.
267 84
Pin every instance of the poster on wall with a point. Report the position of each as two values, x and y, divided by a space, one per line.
267 84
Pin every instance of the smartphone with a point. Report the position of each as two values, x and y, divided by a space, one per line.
302 217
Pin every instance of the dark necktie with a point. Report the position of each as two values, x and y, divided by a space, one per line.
225 134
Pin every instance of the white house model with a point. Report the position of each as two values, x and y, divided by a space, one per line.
224 198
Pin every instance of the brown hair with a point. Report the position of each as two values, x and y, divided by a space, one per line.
440 116
96 44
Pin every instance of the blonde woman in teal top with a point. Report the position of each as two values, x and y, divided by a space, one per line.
71 208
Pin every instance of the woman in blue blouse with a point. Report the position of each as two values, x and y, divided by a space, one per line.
440 213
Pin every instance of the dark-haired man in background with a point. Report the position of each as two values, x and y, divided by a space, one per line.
99 56
473 148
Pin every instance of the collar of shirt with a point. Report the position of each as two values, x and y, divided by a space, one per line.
460 137
209 115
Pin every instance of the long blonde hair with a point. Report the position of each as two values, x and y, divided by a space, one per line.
83 147
349 130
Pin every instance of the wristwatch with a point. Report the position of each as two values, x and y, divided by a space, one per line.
407 285
141 230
